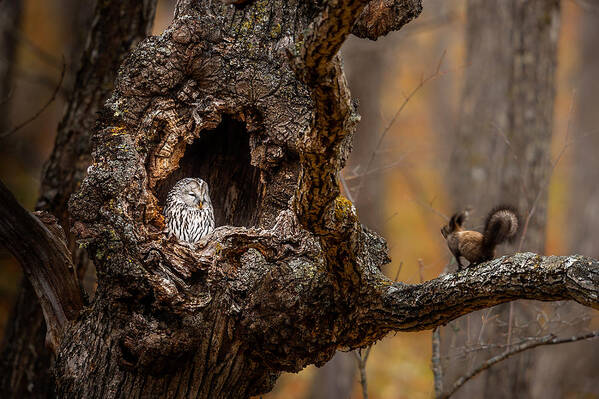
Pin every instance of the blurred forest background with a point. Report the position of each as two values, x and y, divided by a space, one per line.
399 175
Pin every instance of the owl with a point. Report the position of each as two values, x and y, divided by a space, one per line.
188 211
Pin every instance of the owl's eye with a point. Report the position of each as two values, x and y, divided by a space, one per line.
191 193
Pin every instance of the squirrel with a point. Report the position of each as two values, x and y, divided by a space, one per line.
502 224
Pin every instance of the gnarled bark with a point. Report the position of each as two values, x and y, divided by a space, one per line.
40 246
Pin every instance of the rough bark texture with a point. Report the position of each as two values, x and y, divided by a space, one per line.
502 148
364 64
40 246
117 26
380 17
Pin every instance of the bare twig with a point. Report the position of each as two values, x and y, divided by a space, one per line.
377 170
548 178
40 80
362 359
345 187
510 322
398 270
407 99
546 340
429 206
464 351
7 98
420 269
436 360
39 112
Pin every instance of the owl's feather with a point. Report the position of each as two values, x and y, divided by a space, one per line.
188 211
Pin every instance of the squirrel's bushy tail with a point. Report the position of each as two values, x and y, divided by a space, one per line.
502 224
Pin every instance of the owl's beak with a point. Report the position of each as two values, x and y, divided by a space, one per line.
199 205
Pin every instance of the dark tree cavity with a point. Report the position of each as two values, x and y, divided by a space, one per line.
253 99
221 157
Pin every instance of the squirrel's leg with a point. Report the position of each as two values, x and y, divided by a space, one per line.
459 262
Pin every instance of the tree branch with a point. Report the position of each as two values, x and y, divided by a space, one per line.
326 34
520 276
318 203
381 17
325 148
547 340
436 362
45 259
41 110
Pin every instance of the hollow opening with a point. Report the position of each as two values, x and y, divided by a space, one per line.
221 157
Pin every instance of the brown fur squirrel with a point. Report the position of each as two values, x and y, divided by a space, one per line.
502 224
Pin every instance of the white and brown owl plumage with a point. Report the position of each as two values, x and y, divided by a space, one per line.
188 211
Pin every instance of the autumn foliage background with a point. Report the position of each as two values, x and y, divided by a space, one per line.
411 161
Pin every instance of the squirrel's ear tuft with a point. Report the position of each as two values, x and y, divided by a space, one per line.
460 218
451 223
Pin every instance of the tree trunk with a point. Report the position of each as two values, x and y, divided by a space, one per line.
502 154
26 362
558 377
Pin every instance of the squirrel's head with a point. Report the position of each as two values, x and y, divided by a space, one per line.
455 223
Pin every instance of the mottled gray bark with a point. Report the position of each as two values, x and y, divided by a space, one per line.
502 153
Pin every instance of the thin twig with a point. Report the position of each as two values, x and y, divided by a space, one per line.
39 112
547 340
377 170
41 53
436 360
548 178
398 270
510 322
431 208
420 269
40 80
345 187
407 99
7 98
464 351
362 367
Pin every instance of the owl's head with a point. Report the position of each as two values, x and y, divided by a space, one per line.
193 192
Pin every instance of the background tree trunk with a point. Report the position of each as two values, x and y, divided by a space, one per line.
575 372
25 370
502 155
